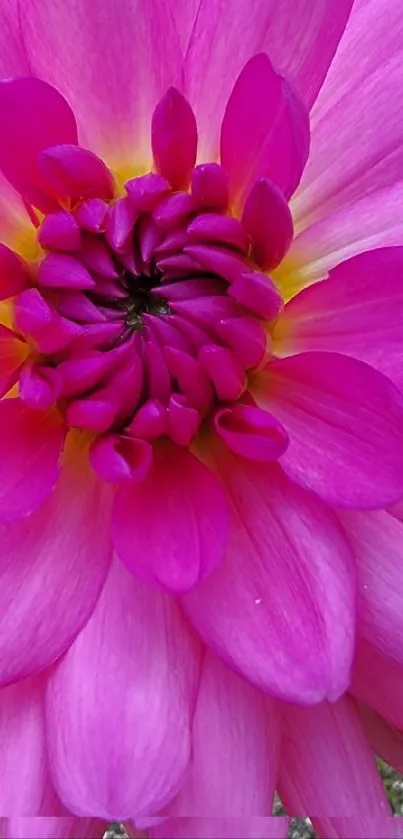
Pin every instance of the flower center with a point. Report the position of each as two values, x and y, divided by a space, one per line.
146 312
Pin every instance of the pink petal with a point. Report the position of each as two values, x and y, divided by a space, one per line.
254 827
353 152
34 116
344 420
55 828
265 131
377 541
267 218
25 788
251 432
57 560
12 354
74 172
386 741
378 681
179 532
117 66
358 311
174 139
117 765
301 41
358 827
13 59
30 447
14 273
349 230
286 583
235 748
326 766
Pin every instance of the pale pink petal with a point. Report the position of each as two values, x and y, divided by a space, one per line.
13 58
327 768
171 528
34 116
300 39
55 828
25 787
30 448
378 681
341 234
265 131
117 66
358 311
354 150
52 567
136 654
254 827
377 541
235 748
345 425
280 608
386 740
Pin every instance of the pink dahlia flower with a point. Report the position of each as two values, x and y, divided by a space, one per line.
201 425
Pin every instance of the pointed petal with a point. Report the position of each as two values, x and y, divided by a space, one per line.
174 139
235 748
117 765
34 116
268 220
286 583
67 545
344 421
265 131
358 311
301 41
178 532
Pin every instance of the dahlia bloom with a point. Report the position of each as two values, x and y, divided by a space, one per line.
201 424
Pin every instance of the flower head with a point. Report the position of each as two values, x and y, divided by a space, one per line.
201 426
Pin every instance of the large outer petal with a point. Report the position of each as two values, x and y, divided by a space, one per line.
112 63
281 607
378 681
357 311
354 150
235 748
52 567
300 37
327 768
377 541
119 704
348 231
345 425
25 788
